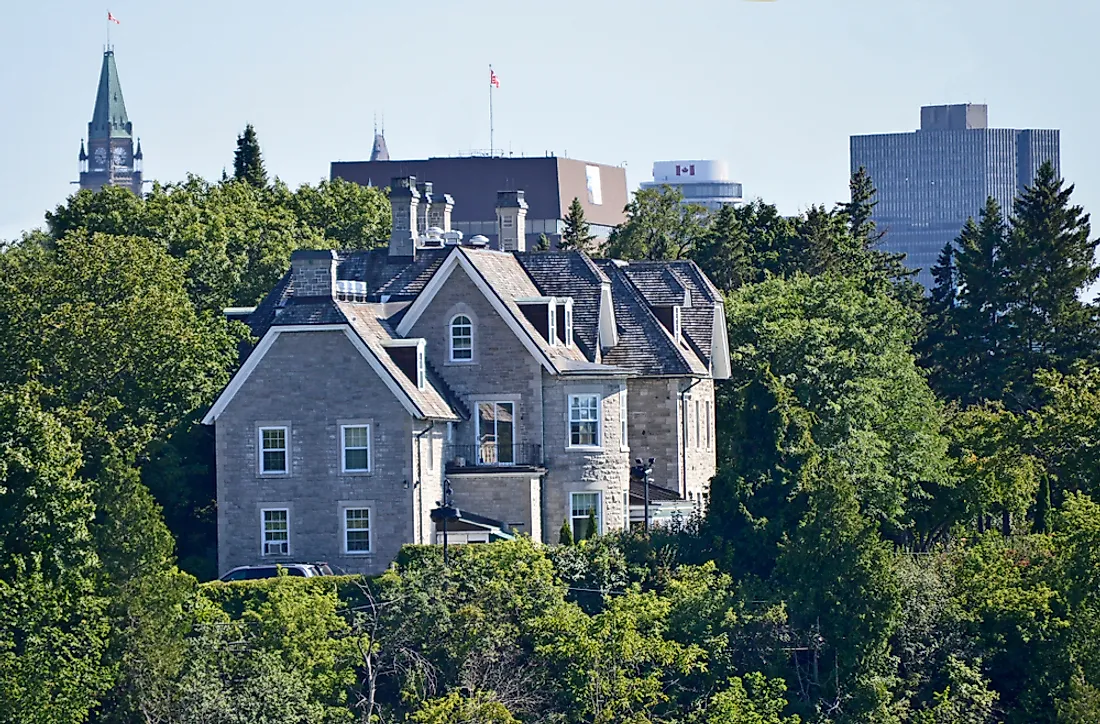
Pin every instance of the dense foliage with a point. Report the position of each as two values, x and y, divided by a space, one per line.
904 527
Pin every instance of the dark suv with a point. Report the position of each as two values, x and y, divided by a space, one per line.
300 570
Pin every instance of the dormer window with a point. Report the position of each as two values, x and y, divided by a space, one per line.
676 323
552 317
552 321
421 371
408 355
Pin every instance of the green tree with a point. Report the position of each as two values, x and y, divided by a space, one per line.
659 225
349 215
565 535
456 708
722 251
577 234
248 162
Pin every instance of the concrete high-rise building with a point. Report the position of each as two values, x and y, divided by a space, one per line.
701 182
110 158
932 180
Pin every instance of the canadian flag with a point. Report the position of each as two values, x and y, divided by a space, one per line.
112 18
493 80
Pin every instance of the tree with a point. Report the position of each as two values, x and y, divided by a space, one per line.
722 251
248 162
350 215
659 225
565 535
939 347
860 207
1048 259
543 243
577 234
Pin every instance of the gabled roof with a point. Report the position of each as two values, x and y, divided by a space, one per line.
570 274
109 119
363 325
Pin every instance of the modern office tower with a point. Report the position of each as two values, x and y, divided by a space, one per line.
701 182
110 158
932 180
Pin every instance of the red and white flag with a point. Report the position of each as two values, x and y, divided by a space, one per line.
112 18
493 80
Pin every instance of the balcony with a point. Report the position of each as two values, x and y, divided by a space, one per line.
491 456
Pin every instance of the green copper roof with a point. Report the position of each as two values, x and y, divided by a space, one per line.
109 119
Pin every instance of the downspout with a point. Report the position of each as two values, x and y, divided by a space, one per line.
420 479
684 418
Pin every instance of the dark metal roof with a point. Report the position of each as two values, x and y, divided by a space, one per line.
109 119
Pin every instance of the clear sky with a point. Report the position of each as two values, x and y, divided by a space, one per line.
775 88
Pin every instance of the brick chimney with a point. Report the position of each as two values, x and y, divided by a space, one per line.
424 188
313 273
404 199
511 221
440 215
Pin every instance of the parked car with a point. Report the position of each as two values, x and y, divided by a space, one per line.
301 570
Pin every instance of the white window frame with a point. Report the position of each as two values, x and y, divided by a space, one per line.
451 338
598 436
263 532
599 510
421 367
344 447
677 323
624 444
285 449
344 530
552 322
569 323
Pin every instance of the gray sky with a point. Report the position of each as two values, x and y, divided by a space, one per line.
775 88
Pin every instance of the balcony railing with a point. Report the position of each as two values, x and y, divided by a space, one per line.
492 455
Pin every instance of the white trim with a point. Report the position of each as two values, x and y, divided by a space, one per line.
599 509
608 331
496 424
344 508
451 338
569 421
263 533
260 450
268 340
458 258
344 469
720 346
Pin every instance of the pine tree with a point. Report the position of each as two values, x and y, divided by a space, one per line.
593 528
543 243
860 207
940 345
565 535
577 235
1048 260
248 162
722 252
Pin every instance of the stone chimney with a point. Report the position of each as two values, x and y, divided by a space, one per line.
425 190
404 199
313 273
511 221
442 205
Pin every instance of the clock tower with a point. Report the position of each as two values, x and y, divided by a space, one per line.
110 158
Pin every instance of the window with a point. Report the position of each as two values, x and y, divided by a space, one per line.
420 367
708 425
676 323
462 339
496 433
357 530
568 324
275 523
273 450
585 509
355 443
584 420
552 317
622 418
698 423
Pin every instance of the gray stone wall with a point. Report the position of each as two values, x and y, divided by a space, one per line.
312 382
699 456
512 498
502 369
654 427
573 470
313 272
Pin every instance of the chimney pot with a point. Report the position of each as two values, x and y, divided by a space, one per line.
313 272
511 221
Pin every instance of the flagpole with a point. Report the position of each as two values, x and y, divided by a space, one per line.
490 110
108 30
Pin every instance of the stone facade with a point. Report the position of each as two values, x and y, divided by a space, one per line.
290 389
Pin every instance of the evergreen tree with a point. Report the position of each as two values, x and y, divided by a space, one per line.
940 344
565 535
248 162
578 234
593 527
1042 506
543 243
860 207
879 266
1048 260
722 253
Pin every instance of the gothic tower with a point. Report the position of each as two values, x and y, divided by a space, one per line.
111 159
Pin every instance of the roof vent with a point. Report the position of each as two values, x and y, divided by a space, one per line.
478 241
452 238
351 291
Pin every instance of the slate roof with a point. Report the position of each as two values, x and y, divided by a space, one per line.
645 346
564 274
109 119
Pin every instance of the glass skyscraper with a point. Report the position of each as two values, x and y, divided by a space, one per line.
931 181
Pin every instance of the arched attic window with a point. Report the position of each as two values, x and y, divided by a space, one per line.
462 338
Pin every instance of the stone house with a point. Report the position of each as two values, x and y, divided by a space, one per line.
525 382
